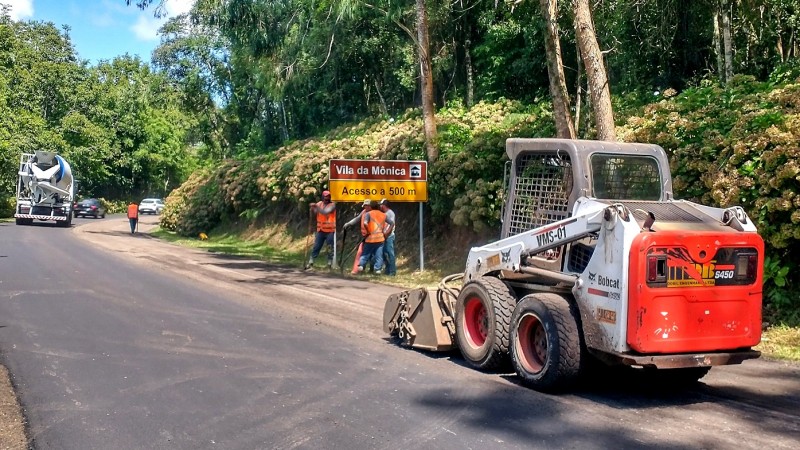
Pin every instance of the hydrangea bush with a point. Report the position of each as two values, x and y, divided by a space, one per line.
464 184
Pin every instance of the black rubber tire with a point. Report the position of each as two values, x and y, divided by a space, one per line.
545 342
24 221
485 349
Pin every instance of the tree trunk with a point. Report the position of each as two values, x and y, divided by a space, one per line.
718 47
596 76
578 91
565 128
384 109
426 78
470 79
726 39
284 123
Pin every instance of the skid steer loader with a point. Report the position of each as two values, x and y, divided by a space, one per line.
596 262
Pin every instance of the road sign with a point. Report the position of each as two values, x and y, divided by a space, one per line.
353 180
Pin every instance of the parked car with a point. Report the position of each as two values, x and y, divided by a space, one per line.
151 206
90 207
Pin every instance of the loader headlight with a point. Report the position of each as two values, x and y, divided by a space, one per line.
746 266
657 268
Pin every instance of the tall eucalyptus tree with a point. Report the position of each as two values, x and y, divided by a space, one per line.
565 127
596 74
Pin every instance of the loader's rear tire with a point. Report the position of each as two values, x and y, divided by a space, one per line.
24 221
545 342
483 314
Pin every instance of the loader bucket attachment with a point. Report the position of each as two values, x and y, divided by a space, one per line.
417 319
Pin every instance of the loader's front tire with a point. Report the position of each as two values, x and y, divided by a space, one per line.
483 314
545 342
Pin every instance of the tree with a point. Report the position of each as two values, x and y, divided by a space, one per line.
565 127
596 75
196 58
727 48
426 81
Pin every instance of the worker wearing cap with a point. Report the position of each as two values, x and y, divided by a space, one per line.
326 227
365 208
388 245
373 228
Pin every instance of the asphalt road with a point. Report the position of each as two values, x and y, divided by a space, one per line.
124 342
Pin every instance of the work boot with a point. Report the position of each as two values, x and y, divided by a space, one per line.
378 272
360 269
310 263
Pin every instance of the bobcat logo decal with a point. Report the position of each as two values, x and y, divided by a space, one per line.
592 276
506 256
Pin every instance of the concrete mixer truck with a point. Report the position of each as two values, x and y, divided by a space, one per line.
45 189
597 263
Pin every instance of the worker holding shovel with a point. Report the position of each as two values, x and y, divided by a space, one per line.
326 228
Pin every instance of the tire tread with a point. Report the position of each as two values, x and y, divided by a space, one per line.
563 366
568 336
503 309
495 356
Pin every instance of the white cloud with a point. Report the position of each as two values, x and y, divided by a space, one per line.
175 7
146 26
20 9
102 19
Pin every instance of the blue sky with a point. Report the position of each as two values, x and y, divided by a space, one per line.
101 29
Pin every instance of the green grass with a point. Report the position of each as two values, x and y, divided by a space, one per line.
232 244
781 342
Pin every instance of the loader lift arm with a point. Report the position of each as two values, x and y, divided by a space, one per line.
509 254
434 312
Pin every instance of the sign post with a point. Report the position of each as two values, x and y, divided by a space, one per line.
353 180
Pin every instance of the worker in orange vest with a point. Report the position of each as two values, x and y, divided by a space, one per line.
133 216
373 228
326 227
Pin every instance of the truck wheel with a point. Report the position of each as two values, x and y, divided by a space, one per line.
545 342
483 314
24 221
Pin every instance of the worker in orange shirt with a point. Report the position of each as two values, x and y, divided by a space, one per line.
373 227
326 227
133 216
